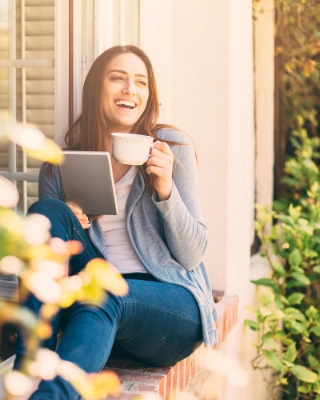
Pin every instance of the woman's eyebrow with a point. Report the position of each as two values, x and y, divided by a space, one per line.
124 72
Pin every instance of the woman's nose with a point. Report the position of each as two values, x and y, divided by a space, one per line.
130 87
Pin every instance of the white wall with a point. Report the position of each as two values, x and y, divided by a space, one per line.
213 101
202 54
201 108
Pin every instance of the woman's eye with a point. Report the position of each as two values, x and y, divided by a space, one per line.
117 78
143 83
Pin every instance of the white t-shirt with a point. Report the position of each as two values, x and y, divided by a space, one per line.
119 249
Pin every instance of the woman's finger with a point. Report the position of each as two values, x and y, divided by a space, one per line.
82 218
163 147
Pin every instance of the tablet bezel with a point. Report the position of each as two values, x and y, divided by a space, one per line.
87 181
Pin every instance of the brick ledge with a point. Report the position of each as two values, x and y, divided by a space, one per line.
137 378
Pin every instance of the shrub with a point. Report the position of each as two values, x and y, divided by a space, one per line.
288 319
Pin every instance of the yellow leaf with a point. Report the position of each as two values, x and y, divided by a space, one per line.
47 151
47 311
43 330
68 298
107 276
104 384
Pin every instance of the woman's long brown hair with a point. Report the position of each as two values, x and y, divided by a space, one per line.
88 130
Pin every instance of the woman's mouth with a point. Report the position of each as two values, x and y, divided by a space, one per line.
126 104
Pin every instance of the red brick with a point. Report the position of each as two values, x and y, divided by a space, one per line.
182 374
188 367
124 364
123 396
169 384
162 387
141 387
159 370
139 376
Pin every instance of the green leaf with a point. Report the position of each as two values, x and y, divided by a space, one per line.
286 219
283 381
270 343
291 353
273 360
311 312
280 301
304 280
298 269
292 284
293 313
265 312
313 362
296 327
267 298
310 253
279 268
255 326
264 282
295 258
294 212
303 374
317 269
304 389
295 298
315 330
277 315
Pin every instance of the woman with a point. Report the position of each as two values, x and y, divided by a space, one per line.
156 241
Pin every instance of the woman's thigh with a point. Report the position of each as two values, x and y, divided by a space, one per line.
65 225
160 323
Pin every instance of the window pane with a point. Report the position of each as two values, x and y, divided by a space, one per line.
4 107
126 22
4 156
35 30
35 105
4 29
28 194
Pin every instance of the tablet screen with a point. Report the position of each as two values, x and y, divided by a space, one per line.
87 181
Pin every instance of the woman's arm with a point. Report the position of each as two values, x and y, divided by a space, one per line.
50 186
185 232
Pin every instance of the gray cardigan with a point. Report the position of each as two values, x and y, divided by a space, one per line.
168 236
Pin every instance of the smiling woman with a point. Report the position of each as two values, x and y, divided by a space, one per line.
156 241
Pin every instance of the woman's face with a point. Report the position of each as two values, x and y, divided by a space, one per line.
125 92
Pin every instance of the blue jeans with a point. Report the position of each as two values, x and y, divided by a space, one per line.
157 322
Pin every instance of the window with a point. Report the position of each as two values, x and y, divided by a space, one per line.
30 67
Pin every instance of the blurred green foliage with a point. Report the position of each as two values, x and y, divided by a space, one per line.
287 321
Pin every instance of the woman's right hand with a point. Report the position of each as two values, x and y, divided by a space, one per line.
82 218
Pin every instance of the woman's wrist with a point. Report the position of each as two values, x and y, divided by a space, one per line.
165 194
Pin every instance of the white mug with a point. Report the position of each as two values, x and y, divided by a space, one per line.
131 148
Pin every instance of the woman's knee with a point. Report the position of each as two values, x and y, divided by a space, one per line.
47 206
58 213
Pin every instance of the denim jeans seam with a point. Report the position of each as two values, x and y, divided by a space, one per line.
82 241
186 317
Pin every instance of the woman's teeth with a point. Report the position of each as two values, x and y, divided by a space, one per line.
123 103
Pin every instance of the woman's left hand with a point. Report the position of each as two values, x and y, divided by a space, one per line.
160 164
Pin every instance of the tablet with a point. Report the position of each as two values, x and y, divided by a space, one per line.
87 181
